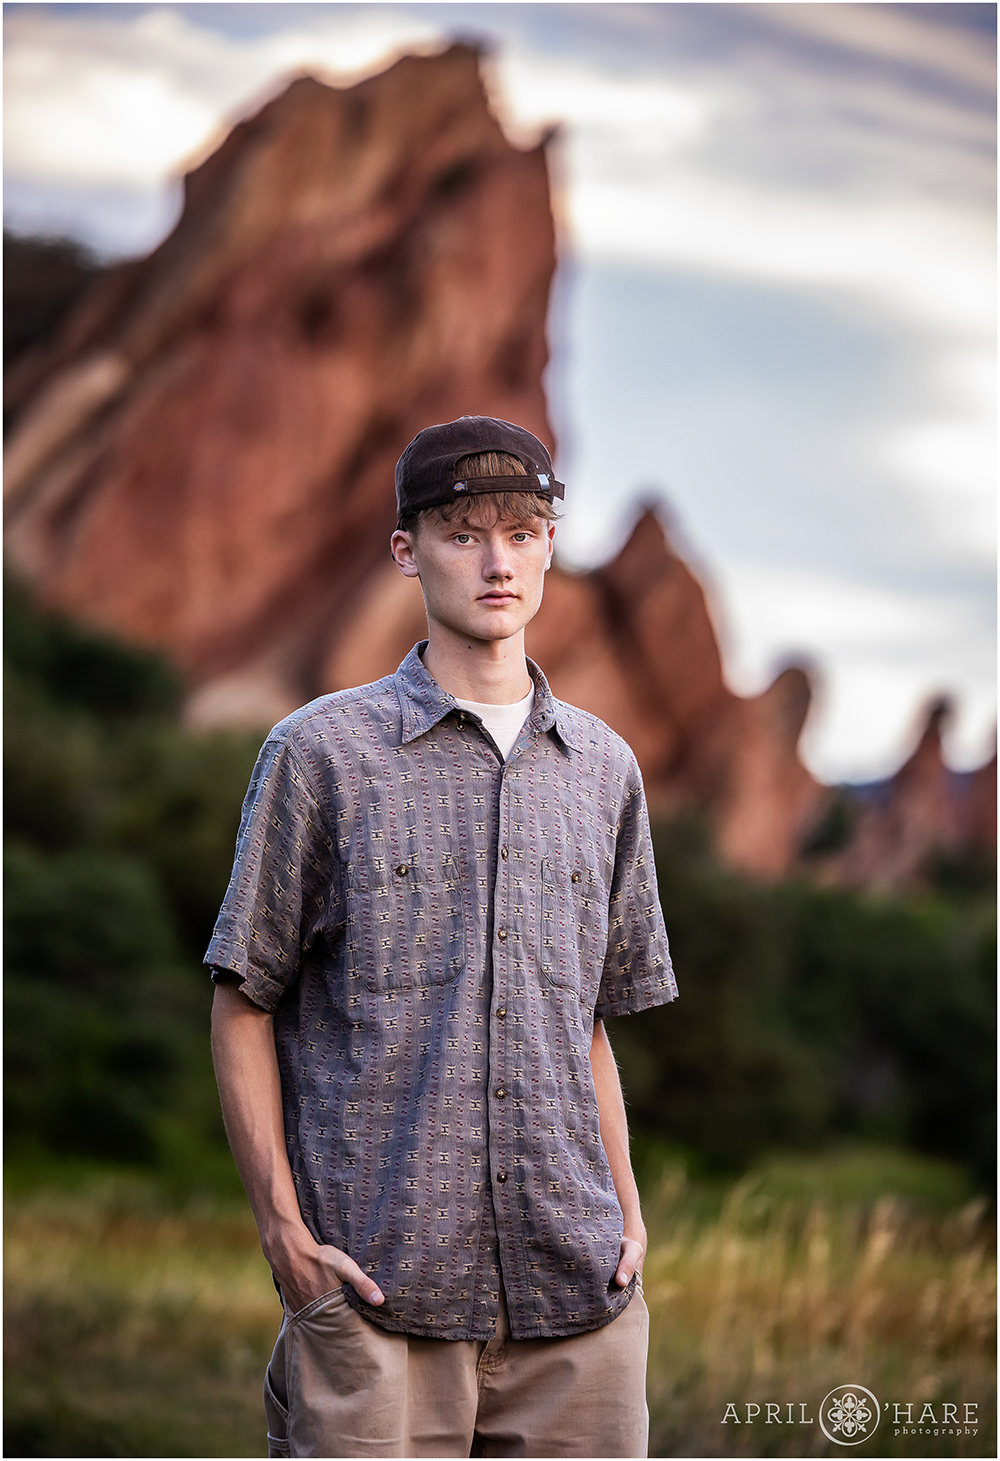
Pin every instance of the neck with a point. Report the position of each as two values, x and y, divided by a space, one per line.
489 671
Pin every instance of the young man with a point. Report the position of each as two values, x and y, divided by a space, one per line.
443 885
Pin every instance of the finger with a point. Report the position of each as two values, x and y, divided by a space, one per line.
628 1261
349 1272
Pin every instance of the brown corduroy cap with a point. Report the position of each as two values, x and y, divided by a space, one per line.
426 474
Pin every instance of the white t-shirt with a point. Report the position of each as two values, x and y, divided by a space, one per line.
503 722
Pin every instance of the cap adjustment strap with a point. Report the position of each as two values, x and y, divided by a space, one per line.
540 482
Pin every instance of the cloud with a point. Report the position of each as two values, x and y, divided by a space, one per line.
899 35
131 101
113 121
949 474
868 713
770 171
878 648
918 262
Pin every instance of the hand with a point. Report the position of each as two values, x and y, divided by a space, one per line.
631 1258
306 1269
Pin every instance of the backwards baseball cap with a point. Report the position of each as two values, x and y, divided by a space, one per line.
427 474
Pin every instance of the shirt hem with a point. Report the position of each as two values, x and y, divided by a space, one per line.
540 1331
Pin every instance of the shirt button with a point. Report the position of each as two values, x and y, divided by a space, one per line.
504 853
502 935
501 1176
501 1092
402 870
501 1013
574 877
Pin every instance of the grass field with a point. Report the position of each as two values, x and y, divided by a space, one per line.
138 1328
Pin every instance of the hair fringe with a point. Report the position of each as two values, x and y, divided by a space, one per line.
517 508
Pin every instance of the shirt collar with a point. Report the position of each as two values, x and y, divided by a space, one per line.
423 702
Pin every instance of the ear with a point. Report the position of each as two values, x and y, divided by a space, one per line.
401 548
551 538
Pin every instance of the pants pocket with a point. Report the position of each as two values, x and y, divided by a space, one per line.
276 1400
315 1305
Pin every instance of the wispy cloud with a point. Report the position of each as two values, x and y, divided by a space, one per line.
910 36
133 100
772 168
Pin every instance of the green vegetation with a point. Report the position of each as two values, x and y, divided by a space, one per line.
813 1116
811 1015
120 833
42 279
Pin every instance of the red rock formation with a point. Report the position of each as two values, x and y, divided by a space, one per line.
906 820
771 799
977 812
658 678
205 459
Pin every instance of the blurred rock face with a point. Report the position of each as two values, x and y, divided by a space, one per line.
203 460
206 459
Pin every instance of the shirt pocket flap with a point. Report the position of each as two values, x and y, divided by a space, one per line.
574 876
406 924
574 915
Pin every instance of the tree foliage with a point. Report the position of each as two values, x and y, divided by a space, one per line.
120 830
809 1015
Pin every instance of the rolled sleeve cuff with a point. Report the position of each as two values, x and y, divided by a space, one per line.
254 983
655 988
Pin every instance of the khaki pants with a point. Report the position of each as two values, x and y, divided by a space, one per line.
337 1385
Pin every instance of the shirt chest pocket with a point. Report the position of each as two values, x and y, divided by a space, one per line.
574 925
405 926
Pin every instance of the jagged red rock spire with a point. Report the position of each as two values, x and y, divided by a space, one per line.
205 459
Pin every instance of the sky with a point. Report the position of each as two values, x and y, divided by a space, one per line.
774 313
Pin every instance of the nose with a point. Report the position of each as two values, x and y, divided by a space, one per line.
497 567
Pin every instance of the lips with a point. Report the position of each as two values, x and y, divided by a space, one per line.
497 598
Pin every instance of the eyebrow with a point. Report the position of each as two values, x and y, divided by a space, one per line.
461 526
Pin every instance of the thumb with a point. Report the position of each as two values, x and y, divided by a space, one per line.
350 1272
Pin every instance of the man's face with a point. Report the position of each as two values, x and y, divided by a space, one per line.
480 580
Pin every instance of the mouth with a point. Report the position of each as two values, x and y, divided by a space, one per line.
498 598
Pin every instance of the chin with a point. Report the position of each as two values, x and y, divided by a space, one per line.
499 629
495 631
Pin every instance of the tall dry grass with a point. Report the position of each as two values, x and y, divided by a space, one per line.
779 1299
132 1331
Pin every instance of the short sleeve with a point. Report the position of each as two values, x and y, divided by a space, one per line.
285 886
637 971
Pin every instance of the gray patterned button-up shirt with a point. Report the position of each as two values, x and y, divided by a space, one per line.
435 931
